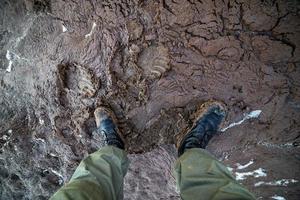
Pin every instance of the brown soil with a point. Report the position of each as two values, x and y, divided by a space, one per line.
153 62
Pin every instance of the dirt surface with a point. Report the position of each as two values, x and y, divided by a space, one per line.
153 62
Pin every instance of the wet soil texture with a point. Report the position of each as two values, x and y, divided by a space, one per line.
152 62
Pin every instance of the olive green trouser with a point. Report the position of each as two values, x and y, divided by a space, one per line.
199 176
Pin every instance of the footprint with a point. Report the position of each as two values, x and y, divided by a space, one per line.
78 79
154 60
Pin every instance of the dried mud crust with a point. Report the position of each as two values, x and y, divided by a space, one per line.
152 62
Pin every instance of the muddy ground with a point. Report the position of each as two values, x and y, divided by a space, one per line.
152 62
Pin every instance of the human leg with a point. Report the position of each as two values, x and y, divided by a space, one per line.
100 175
199 175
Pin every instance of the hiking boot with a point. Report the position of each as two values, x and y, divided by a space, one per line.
107 125
207 121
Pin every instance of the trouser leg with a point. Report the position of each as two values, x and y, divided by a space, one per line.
99 176
200 176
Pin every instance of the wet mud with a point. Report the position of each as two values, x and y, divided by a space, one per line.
152 62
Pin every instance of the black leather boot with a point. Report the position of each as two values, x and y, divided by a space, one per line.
206 124
107 125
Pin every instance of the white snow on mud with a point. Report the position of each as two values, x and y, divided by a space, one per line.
278 197
282 182
252 114
239 166
92 30
64 29
10 62
260 172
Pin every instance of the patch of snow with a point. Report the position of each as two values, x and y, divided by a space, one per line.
239 166
41 121
230 169
226 156
252 114
53 155
40 139
278 146
5 137
64 29
278 197
92 30
282 182
9 58
61 178
256 173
